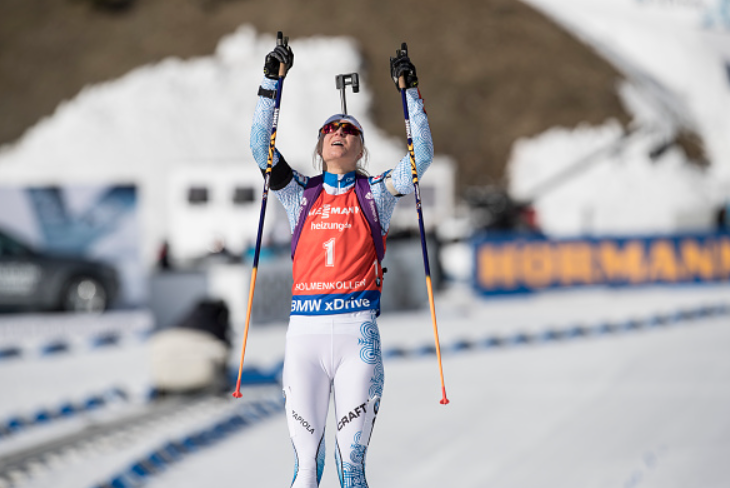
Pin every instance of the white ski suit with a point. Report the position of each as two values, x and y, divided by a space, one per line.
333 353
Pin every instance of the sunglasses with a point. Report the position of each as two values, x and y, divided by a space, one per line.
347 128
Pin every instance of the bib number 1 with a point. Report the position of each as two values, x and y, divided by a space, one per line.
329 253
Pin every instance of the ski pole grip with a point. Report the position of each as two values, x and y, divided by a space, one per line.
402 53
281 41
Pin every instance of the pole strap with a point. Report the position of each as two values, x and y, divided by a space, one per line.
263 92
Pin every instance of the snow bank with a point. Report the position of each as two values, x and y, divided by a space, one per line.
676 64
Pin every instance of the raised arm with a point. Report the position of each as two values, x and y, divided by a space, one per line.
264 114
388 187
284 183
422 144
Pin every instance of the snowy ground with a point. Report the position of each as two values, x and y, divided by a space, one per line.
639 408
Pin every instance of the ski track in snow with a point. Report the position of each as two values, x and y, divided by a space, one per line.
641 408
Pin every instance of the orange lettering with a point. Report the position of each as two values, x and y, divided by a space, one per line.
496 266
575 263
625 264
663 263
698 259
536 264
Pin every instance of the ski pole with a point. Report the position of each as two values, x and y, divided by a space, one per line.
280 41
417 192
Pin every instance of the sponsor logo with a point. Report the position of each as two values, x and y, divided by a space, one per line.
304 306
331 226
351 415
326 210
304 423
312 305
351 304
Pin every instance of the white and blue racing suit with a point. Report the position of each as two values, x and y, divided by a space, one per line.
337 353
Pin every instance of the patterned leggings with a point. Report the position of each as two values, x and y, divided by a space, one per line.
337 354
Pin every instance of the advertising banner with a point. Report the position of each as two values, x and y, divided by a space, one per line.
53 238
517 264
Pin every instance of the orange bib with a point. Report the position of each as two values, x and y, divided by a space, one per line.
335 265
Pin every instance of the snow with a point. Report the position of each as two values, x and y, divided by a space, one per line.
676 71
539 417
639 408
644 408
624 193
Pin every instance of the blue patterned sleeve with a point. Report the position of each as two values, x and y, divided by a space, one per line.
291 197
263 119
401 175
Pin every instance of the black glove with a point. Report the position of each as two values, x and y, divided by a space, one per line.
401 65
281 54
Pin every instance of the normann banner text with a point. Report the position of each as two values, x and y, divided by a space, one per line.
513 264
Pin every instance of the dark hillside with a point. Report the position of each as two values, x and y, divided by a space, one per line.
491 70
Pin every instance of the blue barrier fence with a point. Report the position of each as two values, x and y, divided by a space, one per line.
63 345
544 335
64 410
250 376
566 333
174 451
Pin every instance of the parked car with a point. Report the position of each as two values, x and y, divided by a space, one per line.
35 280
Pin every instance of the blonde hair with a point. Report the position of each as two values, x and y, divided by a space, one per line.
321 166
